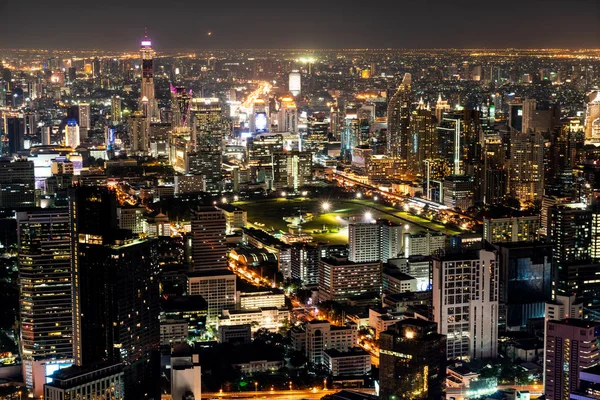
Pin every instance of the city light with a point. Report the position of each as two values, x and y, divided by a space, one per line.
325 206
368 216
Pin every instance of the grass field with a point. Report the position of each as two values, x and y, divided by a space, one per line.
269 215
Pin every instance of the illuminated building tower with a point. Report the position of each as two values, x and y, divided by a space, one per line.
412 361
84 117
441 107
72 138
291 169
17 184
46 313
592 117
116 113
148 101
495 174
209 247
317 133
295 82
526 172
180 106
334 121
305 262
364 242
260 116
115 293
139 140
422 138
467 315
571 346
208 126
460 141
14 126
340 279
287 116
398 115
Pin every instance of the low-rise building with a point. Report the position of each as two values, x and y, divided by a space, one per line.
259 366
95 381
317 336
173 331
340 279
394 281
235 333
235 217
256 300
354 362
271 318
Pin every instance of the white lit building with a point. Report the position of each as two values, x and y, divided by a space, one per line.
295 82
465 303
271 318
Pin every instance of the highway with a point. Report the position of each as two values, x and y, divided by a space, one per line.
280 394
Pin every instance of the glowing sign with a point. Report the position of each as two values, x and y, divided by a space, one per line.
146 43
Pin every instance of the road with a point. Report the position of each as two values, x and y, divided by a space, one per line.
280 394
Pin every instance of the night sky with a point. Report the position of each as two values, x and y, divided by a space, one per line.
176 24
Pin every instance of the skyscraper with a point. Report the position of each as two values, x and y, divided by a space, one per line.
180 106
398 114
139 135
571 346
72 138
592 117
422 138
15 132
115 292
465 303
209 248
148 103
45 292
412 361
17 183
84 117
364 242
116 113
294 82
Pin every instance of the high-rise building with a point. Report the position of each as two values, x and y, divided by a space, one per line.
148 103
84 117
317 336
525 271
514 229
72 137
592 117
571 345
116 113
526 172
291 169
14 126
115 293
17 183
422 138
459 192
45 296
294 84
412 361
340 279
398 115
180 106
465 303
423 243
364 242
208 126
139 135
305 262
209 247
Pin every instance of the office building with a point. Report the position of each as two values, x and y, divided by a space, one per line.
513 229
84 118
317 336
14 126
72 137
253 300
216 286
398 119
45 284
111 265
208 126
209 247
116 114
423 243
291 169
354 362
17 184
525 286
570 347
465 303
139 139
270 318
131 218
423 140
305 262
526 172
208 164
459 192
181 100
364 242
102 381
294 83
340 279
412 360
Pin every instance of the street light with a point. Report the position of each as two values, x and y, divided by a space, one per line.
358 195
368 216
326 206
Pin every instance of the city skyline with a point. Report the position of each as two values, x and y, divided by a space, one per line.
186 25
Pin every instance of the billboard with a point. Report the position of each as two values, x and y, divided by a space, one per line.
260 122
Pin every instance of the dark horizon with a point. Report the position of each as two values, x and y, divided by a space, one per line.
428 24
